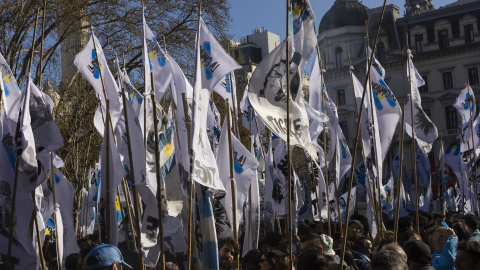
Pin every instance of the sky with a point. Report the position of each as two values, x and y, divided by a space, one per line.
270 14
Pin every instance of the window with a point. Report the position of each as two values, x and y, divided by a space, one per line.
443 39
469 34
341 97
473 76
451 117
381 51
339 57
424 88
419 43
344 127
447 80
428 113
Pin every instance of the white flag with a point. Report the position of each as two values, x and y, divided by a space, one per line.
11 90
252 215
25 145
215 62
65 194
89 64
158 63
45 130
23 252
425 131
388 112
465 104
59 229
267 94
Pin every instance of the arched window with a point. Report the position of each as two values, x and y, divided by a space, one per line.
381 51
339 57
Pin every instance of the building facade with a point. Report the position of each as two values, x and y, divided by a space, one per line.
445 43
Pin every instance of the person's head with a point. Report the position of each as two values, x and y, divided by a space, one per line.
303 230
355 229
252 260
471 221
311 240
85 246
272 239
387 260
405 224
423 223
74 262
468 256
227 252
440 237
331 263
169 266
438 218
279 257
396 248
418 253
462 231
363 245
104 257
312 258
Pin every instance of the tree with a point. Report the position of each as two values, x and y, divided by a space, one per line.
118 25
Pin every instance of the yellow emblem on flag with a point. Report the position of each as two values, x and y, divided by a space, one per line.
117 203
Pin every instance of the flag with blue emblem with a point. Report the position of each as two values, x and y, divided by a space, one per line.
244 166
387 110
465 104
11 91
157 62
90 64
215 63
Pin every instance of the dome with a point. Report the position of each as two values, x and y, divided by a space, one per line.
343 13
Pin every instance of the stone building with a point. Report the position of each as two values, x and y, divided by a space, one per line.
446 49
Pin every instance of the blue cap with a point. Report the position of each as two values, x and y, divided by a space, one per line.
104 255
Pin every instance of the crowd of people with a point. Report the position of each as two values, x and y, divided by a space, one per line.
441 243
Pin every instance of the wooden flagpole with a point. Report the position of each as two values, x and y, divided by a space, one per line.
159 176
137 239
414 152
327 186
232 182
357 135
190 238
376 182
400 175
370 190
289 157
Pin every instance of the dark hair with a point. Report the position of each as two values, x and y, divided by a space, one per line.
272 238
438 215
229 241
72 261
429 233
331 264
311 257
358 223
407 235
303 229
461 231
471 221
254 256
361 243
362 219
388 260
404 223
472 248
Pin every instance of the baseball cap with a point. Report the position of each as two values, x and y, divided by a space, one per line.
280 250
419 252
327 244
104 255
